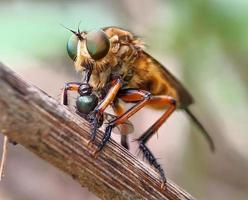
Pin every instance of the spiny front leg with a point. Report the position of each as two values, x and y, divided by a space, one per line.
97 114
96 120
105 139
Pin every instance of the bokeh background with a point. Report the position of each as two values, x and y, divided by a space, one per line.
204 43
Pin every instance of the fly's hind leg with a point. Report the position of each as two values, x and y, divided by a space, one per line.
143 98
143 139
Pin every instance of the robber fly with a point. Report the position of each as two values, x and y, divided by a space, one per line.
118 70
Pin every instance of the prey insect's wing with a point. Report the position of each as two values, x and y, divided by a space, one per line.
123 129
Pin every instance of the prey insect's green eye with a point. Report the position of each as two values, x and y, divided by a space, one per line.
72 46
97 44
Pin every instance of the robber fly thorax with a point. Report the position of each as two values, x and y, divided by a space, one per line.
118 61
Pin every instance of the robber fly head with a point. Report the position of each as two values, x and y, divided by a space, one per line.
85 48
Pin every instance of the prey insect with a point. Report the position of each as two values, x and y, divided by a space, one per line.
118 70
87 101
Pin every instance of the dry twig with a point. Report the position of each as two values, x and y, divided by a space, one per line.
4 156
36 121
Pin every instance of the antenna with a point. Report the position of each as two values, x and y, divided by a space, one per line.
78 34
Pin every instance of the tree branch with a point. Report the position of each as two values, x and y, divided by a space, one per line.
48 129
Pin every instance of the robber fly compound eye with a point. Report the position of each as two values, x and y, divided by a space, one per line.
97 44
72 46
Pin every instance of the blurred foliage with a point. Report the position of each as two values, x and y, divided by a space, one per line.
209 40
34 29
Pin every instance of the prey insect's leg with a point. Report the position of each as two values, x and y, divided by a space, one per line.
96 115
119 110
71 86
128 95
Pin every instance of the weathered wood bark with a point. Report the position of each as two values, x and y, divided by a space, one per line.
48 129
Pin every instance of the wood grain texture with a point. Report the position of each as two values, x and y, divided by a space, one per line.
38 122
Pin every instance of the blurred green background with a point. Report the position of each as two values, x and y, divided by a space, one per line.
204 43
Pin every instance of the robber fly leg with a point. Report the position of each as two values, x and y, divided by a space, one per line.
161 101
120 110
70 86
96 115
145 98
105 139
152 161
96 119
124 141
129 95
